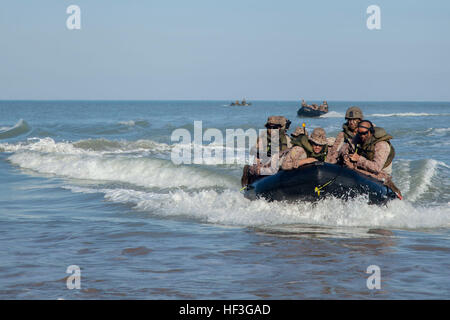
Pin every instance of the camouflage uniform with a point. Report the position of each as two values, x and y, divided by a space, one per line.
263 143
270 164
330 141
382 150
291 159
345 136
375 157
335 151
298 132
375 153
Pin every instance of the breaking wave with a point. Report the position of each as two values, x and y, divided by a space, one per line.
440 132
140 171
407 114
106 160
89 146
231 208
423 180
333 114
123 168
132 123
213 154
18 129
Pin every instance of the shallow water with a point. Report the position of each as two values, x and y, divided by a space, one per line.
91 184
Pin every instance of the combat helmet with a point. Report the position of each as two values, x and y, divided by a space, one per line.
278 121
319 137
354 113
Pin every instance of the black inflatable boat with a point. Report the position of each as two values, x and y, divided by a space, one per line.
318 180
309 112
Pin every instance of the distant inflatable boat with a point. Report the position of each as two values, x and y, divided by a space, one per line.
21 127
242 104
309 112
316 181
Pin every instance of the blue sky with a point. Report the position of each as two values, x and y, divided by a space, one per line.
258 49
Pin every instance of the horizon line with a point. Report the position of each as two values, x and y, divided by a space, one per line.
222 100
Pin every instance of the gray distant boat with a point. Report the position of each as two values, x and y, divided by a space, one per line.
244 103
312 110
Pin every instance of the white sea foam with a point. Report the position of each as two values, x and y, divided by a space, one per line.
132 123
442 130
100 147
231 208
83 160
228 155
47 145
437 132
89 146
403 176
138 170
128 123
406 114
333 114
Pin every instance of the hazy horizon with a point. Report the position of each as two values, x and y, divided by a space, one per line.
221 100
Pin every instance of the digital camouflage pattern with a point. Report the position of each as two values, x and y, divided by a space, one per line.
292 158
375 166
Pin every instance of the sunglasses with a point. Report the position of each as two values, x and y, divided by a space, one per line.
363 133
270 126
315 144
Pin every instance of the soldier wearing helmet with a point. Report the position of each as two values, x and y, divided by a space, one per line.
264 150
373 155
298 133
281 124
353 117
307 150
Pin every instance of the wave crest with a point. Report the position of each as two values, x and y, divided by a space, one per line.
18 129
230 208
407 114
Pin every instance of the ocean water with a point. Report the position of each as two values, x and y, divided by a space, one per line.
91 184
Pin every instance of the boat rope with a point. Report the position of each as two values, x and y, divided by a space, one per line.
317 189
